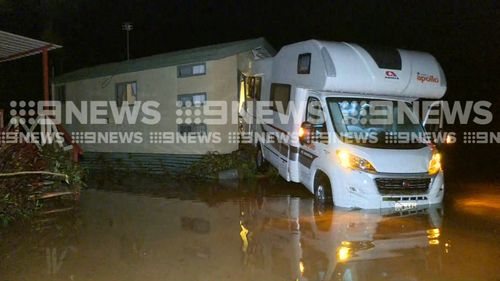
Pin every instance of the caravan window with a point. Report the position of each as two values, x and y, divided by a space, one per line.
280 97
126 93
252 87
200 129
191 70
196 99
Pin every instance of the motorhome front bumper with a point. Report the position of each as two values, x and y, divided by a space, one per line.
386 190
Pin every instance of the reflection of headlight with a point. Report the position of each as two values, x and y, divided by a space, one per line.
433 233
351 161
344 251
435 164
434 242
243 235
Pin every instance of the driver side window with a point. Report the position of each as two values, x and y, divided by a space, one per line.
316 116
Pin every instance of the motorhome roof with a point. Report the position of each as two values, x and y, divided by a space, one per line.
362 70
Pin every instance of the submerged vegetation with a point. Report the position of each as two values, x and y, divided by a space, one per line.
27 173
212 164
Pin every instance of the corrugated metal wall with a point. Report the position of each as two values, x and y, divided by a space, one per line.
144 162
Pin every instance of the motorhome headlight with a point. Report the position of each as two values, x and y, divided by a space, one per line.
351 161
435 164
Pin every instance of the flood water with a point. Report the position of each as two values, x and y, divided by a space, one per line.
146 229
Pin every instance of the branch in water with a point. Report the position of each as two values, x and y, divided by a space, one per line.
34 173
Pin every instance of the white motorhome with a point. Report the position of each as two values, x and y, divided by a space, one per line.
329 94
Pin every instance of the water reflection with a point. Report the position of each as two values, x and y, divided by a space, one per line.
289 236
251 232
41 246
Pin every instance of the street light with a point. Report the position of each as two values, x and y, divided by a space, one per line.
127 26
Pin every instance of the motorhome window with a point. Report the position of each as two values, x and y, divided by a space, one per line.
434 119
387 58
200 129
316 116
375 123
195 99
280 97
61 93
126 93
304 63
191 70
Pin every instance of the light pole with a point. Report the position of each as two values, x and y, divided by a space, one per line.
127 26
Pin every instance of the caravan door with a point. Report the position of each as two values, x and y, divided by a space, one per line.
308 152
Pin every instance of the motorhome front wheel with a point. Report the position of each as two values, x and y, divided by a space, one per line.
322 189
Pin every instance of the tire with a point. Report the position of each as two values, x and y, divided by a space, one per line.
323 202
260 162
323 190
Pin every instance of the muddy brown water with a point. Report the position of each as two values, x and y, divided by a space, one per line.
149 229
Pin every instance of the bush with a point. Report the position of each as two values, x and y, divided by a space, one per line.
209 166
58 161
15 191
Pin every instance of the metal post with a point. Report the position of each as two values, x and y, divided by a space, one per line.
45 63
127 26
1 118
128 45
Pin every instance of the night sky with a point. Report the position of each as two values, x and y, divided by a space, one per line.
463 35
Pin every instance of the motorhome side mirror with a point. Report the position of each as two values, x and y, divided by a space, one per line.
305 133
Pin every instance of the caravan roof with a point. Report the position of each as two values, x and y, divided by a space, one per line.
213 52
352 68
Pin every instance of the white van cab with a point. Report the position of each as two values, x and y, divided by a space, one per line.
331 96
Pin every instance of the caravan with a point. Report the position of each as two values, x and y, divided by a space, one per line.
327 100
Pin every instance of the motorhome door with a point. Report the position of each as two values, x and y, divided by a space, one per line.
319 139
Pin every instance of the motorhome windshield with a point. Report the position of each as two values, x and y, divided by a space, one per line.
376 123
